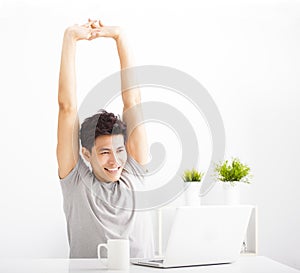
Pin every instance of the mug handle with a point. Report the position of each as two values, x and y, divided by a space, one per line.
99 254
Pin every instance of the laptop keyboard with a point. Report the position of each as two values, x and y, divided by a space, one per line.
156 261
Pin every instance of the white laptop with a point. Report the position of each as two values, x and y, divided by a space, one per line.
203 235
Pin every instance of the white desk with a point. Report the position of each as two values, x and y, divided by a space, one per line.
250 264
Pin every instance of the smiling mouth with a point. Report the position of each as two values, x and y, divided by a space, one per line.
112 170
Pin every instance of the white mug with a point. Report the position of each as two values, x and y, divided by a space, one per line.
117 254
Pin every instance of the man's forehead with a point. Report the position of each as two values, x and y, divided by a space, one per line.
109 140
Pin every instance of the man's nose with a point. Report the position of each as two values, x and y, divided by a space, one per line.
114 159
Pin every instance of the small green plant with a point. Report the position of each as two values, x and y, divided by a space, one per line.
234 172
192 176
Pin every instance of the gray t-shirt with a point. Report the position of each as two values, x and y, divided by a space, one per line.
96 211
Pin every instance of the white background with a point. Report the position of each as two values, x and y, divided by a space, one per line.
245 53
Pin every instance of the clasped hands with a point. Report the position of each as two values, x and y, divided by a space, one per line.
91 30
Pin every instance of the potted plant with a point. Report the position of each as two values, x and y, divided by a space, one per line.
192 179
231 174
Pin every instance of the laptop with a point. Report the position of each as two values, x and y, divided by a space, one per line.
203 235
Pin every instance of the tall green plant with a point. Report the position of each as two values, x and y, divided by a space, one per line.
233 172
192 176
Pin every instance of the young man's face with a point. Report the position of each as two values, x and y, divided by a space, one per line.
108 157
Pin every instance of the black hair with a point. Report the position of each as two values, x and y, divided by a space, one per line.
102 123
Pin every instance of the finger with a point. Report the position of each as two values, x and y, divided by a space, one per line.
100 24
91 20
93 36
88 24
92 23
89 35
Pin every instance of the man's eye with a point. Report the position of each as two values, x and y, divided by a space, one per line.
121 150
103 153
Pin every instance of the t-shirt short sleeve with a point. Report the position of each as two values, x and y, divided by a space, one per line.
80 172
135 168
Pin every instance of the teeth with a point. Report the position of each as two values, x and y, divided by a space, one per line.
115 169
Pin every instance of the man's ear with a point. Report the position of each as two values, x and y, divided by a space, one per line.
86 154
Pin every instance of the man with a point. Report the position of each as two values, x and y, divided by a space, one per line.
99 201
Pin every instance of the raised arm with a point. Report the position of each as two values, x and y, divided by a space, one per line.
68 124
137 145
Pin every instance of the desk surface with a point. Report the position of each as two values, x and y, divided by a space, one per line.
250 264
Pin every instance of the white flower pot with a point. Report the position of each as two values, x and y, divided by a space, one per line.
191 193
231 193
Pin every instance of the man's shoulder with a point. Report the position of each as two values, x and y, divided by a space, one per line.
81 172
133 173
134 167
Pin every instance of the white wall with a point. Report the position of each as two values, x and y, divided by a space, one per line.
245 53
